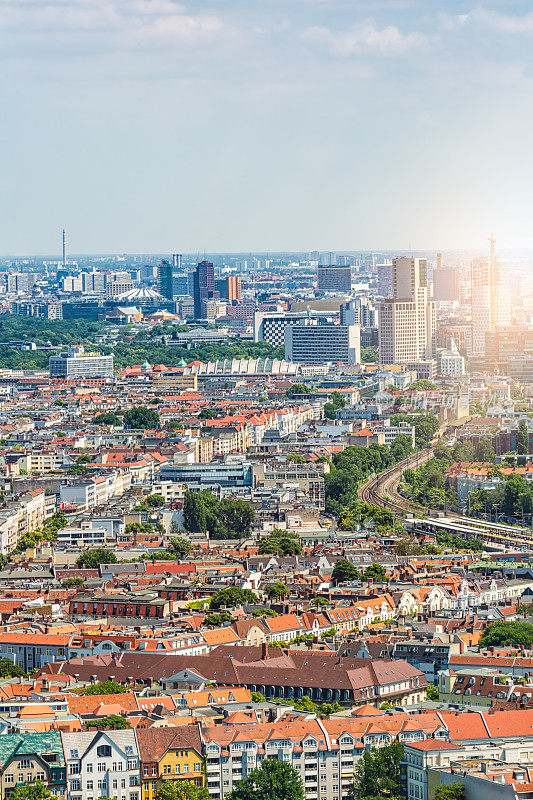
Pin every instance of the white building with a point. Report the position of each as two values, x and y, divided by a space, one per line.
103 764
78 364
310 343
451 363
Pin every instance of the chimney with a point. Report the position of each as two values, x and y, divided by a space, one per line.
264 650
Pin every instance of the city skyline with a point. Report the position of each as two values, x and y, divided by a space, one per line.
231 127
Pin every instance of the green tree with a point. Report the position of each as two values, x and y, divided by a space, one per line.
108 419
522 438
515 634
369 355
90 559
376 572
426 425
273 780
194 512
484 450
450 791
141 417
378 774
217 620
281 543
276 590
257 697
154 500
113 721
32 791
236 517
69 583
231 597
8 669
299 390
344 570
181 790
401 447
432 693
207 413
105 687
179 547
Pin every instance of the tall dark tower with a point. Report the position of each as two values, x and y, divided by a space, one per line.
204 286
64 248
164 279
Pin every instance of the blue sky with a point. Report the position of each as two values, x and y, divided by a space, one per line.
154 125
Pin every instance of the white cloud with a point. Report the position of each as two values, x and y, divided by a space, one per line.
494 20
117 23
364 38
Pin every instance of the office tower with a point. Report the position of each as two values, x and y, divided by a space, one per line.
359 311
407 321
491 301
204 287
309 343
164 279
445 284
233 287
180 284
176 262
118 283
64 248
334 279
384 279
270 327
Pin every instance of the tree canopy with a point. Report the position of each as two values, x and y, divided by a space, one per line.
32 791
344 570
91 559
113 721
450 791
378 774
273 780
231 597
105 687
517 634
141 417
280 543
181 790
231 518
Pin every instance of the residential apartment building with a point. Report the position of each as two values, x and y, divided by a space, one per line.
102 764
170 754
29 757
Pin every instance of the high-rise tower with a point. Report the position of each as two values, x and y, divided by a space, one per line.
407 321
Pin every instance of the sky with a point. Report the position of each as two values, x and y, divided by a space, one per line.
265 125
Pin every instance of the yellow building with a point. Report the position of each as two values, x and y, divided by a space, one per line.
170 754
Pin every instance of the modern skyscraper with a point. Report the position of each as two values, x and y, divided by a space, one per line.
204 287
491 299
407 322
164 279
233 287
334 279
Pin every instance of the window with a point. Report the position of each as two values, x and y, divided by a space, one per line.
21 777
24 763
115 784
90 785
75 786
154 785
74 768
145 770
101 766
154 770
9 778
103 750
166 769
132 763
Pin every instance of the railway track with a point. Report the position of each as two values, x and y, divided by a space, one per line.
382 489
